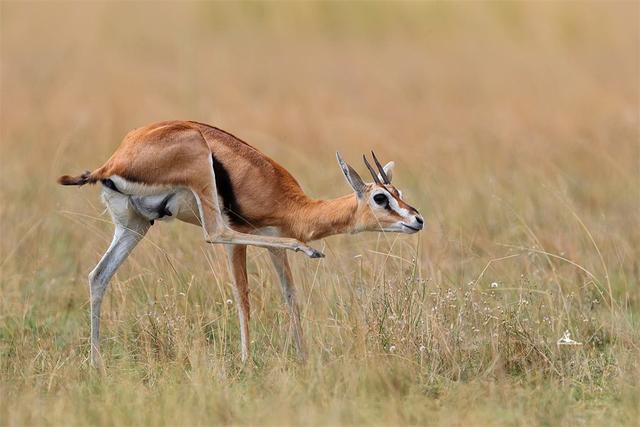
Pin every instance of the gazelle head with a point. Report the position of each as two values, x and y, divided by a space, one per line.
380 205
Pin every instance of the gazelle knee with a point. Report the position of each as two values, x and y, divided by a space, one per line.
221 234
218 234
96 287
93 280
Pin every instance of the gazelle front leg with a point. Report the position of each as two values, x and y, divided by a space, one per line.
217 232
229 236
281 265
237 256
124 240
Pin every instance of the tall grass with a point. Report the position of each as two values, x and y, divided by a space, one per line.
515 130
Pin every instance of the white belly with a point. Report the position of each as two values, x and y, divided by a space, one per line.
147 200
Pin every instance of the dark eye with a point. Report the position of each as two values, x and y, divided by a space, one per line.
380 199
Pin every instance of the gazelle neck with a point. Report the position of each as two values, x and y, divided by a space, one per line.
316 219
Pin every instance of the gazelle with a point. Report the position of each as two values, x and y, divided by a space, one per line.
207 177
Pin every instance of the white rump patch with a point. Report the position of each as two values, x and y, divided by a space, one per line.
136 199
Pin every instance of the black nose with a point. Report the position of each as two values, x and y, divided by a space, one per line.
419 220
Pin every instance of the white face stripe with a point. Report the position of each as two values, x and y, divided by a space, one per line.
393 203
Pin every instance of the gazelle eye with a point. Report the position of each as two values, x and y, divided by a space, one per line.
380 199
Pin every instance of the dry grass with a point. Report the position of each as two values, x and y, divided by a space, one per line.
515 127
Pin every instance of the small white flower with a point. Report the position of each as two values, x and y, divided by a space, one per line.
422 349
392 348
494 285
229 302
566 340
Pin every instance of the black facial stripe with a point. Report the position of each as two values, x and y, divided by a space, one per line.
403 205
225 191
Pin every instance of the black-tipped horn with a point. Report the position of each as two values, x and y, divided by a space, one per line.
383 174
373 173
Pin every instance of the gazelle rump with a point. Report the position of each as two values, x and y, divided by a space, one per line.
204 176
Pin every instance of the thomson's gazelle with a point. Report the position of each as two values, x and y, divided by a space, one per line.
207 177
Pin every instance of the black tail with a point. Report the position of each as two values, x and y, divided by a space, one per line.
83 179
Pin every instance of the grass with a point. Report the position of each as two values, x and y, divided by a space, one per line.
515 130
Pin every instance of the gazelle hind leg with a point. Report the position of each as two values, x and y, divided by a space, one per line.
125 238
281 265
237 256
216 231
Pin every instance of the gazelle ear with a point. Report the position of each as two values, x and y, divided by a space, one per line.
352 176
388 169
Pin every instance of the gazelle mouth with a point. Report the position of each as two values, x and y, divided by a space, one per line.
410 227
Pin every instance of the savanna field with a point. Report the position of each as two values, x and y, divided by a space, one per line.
515 130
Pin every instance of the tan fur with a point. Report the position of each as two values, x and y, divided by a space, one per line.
237 257
178 154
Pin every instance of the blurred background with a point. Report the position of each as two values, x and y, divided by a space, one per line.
514 127
491 111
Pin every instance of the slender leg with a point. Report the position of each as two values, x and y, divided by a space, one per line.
281 265
124 240
233 237
237 256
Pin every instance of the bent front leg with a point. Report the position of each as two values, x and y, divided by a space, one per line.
216 231
229 236
281 265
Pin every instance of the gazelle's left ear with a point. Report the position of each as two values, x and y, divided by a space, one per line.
388 169
352 176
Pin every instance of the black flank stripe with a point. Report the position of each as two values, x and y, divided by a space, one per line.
225 190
